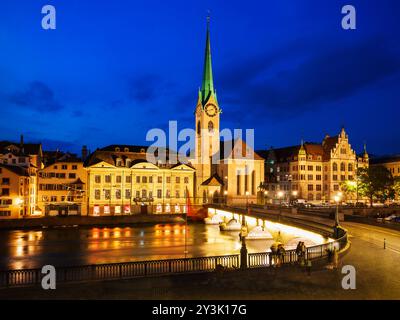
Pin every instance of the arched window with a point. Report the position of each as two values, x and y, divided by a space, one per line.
350 167
334 166
342 166
198 127
210 126
238 183
204 196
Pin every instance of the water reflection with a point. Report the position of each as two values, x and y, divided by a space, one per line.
75 246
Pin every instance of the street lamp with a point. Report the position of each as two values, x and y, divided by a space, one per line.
337 199
280 196
226 196
265 196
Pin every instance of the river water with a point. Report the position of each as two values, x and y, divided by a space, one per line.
21 249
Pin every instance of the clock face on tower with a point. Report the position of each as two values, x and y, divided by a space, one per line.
211 110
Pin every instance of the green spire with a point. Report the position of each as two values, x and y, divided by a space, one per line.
207 88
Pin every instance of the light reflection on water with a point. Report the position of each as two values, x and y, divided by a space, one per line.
74 246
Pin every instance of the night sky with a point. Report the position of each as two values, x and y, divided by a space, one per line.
114 69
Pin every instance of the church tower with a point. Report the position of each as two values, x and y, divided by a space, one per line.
207 116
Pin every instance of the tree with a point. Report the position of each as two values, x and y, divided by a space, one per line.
376 182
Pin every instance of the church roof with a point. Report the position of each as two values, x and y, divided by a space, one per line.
214 180
246 151
207 86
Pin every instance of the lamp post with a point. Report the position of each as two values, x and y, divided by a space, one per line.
280 196
265 197
294 194
337 199
226 197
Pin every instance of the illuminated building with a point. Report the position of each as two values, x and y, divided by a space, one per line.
19 163
120 181
226 171
62 186
312 171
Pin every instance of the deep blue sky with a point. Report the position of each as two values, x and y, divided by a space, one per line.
114 69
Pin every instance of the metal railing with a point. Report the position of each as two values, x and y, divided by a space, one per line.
128 270
267 259
28 277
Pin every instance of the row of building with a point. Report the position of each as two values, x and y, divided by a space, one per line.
118 179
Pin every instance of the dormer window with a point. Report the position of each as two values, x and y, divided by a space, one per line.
117 149
128 163
119 162
142 150
126 149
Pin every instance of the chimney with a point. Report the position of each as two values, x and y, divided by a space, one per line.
21 143
84 153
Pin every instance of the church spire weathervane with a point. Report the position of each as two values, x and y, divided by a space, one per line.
207 87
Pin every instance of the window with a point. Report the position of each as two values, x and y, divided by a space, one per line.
5 192
342 167
186 179
53 198
310 187
144 179
318 187
108 178
302 167
168 179
336 187
119 162
177 194
177 179
45 198
72 176
128 162
137 179
97 194
310 177
334 166
159 193
350 167
351 177
343 150
64 167
127 193
318 168
74 167
21 160
310 168
318 177
5 181
167 194
159 179
5 213
334 177
118 179
137 194
342 177
97 179
118 193
310 197
107 194
151 179
128 179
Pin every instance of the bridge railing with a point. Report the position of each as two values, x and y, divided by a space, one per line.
267 259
